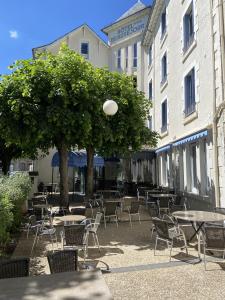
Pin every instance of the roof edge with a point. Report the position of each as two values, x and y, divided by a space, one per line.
118 21
157 7
61 37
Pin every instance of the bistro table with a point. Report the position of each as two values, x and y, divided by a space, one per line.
197 220
68 220
60 286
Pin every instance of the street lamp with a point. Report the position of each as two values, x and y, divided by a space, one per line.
110 107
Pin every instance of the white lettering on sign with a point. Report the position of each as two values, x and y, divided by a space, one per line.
137 26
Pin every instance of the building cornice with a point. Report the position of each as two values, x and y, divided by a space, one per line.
124 21
152 22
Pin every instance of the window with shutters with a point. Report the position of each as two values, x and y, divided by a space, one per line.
135 55
164 116
188 28
189 89
119 59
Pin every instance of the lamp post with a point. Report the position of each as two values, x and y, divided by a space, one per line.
110 107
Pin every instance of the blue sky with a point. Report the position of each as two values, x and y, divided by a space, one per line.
25 24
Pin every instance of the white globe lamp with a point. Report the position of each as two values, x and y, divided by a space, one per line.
110 107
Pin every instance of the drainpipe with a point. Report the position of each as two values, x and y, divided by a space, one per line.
217 111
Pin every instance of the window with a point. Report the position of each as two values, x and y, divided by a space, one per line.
135 55
126 57
193 167
150 122
188 28
189 87
150 90
164 69
164 116
85 49
150 56
165 168
119 58
163 23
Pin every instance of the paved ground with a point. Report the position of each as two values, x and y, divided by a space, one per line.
135 272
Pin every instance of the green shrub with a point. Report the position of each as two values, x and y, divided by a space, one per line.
6 217
14 191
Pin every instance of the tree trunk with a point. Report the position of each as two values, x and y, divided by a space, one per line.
90 171
5 165
63 171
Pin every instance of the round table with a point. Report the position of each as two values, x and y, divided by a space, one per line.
197 220
199 216
68 220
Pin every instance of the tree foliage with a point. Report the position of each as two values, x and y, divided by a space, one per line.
56 100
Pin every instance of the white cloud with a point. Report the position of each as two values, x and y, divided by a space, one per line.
13 34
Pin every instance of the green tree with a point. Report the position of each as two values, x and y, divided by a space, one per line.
123 133
45 103
56 101
7 153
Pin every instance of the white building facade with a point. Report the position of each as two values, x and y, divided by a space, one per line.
183 63
175 52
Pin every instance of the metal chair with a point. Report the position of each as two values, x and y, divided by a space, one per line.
167 232
109 211
75 237
42 231
63 261
213 239
17 267
153 210
93 227
134 210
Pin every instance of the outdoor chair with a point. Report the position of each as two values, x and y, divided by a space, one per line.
43 231
213 240
75 237
153 210
134 210
17 267
31 224
167 232
63 261
110 211
93 227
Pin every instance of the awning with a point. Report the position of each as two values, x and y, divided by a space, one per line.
77 159
191 138
163 149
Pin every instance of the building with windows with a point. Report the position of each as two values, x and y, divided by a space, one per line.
182 55
175 52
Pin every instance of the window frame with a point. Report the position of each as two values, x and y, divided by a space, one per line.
150 90
163 23
193 168
86 55
150 56
190 92
119 59
126 57
135 55
164 116
164 68
188 28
